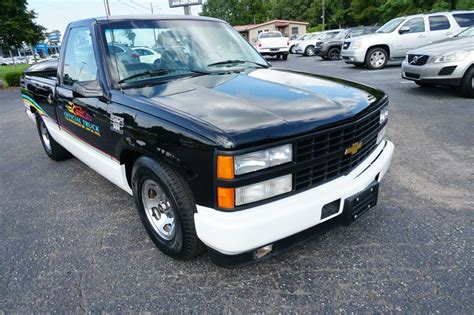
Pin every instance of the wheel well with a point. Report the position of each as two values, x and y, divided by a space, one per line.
386 47
32 110
128 158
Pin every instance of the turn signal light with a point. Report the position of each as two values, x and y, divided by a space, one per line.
225 197
225 167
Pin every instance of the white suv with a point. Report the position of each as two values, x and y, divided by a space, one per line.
391 42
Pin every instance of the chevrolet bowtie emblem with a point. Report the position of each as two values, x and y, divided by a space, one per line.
353 149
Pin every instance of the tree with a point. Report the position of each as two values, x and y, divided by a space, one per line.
238 12
17 25
130 36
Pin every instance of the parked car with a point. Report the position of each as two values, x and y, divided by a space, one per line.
306 47
391 42
223 152
330 49
147 55
124 53
449 62
273 44
297 40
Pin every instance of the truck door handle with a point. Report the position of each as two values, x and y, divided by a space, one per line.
421 36
448 33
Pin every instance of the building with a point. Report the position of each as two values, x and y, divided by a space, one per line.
287 28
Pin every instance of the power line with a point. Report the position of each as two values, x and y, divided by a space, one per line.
133 7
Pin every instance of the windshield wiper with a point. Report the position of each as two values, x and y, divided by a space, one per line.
225 62
155 73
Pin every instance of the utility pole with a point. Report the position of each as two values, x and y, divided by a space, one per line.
107 7
324 15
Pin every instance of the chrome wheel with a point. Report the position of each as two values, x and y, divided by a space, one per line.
45 135
158 209
377 59
310 51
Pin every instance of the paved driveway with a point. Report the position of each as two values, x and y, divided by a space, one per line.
71 241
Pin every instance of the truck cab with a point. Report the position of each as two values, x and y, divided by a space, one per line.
218 150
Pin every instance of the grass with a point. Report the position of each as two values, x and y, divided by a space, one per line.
6 69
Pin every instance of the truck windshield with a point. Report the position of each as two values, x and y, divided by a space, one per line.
467 33
390 26
162 50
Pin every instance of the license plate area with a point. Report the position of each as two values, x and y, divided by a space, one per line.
358 204
274 49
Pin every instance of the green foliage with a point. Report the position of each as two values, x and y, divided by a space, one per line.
339 13
238 11
17 24
13 78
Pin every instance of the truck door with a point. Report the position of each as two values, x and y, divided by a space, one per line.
412 34
84 119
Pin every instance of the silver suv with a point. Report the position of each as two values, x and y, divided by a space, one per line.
391 42
448 62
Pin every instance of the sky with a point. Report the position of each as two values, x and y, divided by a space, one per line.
56 14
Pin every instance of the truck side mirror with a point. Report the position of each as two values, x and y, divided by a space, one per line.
87 89
403 30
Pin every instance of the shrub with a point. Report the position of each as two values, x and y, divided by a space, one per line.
13 78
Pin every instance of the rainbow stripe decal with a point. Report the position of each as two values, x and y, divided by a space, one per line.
29 102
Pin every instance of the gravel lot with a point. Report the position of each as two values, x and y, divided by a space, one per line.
72 242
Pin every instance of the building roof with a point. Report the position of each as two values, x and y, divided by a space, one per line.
244 28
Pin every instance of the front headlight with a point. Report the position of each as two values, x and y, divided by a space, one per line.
260 160
453 56
381 136
263 190
357 44
383 115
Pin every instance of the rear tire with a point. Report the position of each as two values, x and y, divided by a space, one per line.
285 57
376 58
169 222
53 149
467 84
309 51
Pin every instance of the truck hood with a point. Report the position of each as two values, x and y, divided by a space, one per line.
445 46
260 105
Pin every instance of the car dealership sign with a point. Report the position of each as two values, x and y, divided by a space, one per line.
183 3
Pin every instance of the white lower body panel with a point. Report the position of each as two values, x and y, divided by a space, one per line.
233 233
98 161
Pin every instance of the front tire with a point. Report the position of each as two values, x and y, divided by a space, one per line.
309 51
376 58
292 50
285 57
166 207
467 84
53 149
334 54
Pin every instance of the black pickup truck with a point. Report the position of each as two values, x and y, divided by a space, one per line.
218 149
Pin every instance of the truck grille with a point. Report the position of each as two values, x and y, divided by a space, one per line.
346 45
417 60
324 152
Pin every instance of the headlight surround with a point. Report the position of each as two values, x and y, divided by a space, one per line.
383 115
263 190
259 160
452 56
